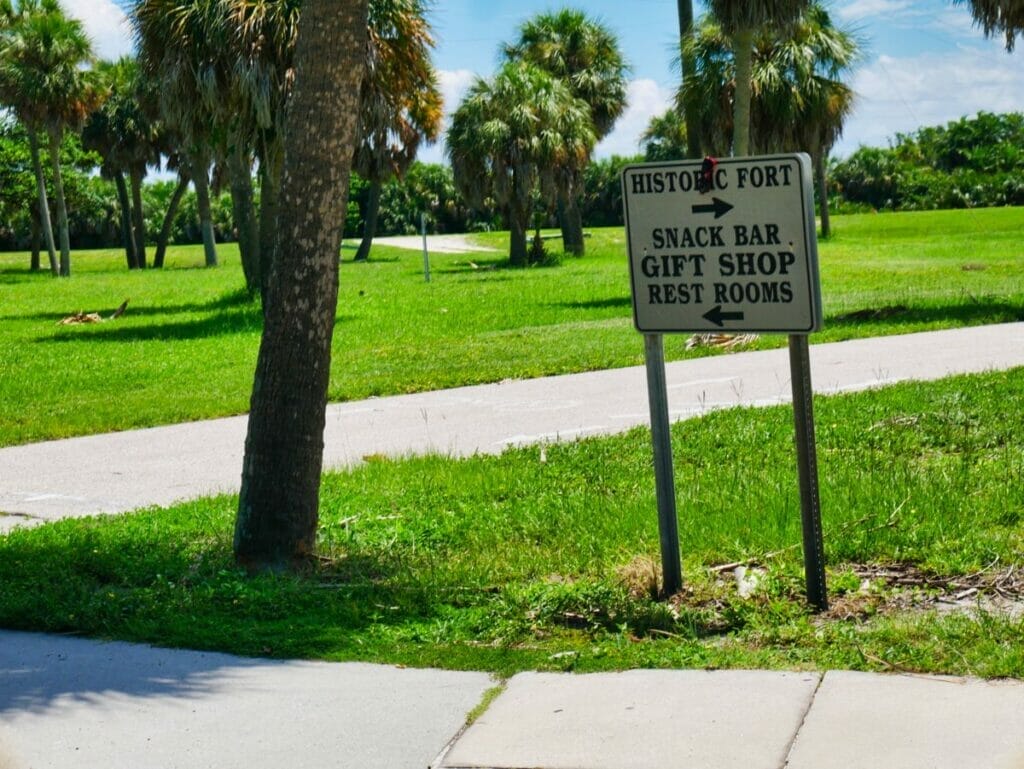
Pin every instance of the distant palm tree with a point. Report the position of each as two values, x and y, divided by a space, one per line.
43 78
509 136
799 98
584 54
740 21
400 101
127 140
1005 16
665 137
177 42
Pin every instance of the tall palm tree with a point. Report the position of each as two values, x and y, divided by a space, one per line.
740 21
666 138
400 101
43 55
126 138
1005 16
689 110
584 54
278 504
176 40
799 98
509 136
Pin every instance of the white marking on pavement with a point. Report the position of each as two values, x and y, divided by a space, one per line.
704 381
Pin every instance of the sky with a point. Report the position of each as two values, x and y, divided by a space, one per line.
924 62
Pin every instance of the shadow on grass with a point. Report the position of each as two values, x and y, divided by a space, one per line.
239 298
221 324
982 311
596 304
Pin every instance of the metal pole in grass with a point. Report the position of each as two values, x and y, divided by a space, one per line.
664 482
807 464
426 256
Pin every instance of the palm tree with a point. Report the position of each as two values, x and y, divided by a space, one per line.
740 21
510 135
1006 16
43 79
126 139
176 42
800 101
665 137
278 504
690 110
400 102
585 55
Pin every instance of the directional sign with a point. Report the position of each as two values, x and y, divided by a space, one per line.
727 248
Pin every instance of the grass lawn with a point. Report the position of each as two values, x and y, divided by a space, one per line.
544 559
186 347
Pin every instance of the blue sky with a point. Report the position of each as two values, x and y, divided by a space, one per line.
925 63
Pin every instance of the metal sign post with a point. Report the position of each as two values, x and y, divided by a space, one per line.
664 481
727 245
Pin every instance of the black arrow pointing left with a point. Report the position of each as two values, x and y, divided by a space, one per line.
717 206
716 316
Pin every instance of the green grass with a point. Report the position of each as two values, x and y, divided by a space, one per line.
187 345
541 561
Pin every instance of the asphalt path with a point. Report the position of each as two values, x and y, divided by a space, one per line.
123 471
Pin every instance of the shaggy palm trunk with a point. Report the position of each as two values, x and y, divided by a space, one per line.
242 207
691 113
819 161
370 223
138 222
517 251
168 225
744 45
64 232
278 504
44 204
271 168
201 181
127 235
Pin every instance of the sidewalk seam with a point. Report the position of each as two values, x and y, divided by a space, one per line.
803 719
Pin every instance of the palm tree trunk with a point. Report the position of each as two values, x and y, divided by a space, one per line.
517 251
44 205
819 161
172 209
127 235
370 222
688 62
63 231
138 221
278 503
37 241
240 170
271 166
744 45
201 181
571 220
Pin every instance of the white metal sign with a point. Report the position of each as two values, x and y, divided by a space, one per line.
729 246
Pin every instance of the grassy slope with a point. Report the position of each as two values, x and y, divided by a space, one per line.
186 347
532 560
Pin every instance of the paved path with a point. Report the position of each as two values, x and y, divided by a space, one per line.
443 244
123 471
68 702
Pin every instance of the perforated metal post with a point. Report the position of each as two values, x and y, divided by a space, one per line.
807 467
664 479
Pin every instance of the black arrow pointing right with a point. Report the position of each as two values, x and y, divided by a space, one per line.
717 206
716 316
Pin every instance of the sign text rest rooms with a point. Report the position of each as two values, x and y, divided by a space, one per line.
740 257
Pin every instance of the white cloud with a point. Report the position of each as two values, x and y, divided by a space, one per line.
901 94
858 10
645 100
106 25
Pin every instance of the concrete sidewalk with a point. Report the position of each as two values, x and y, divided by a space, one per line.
123 471
68 702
